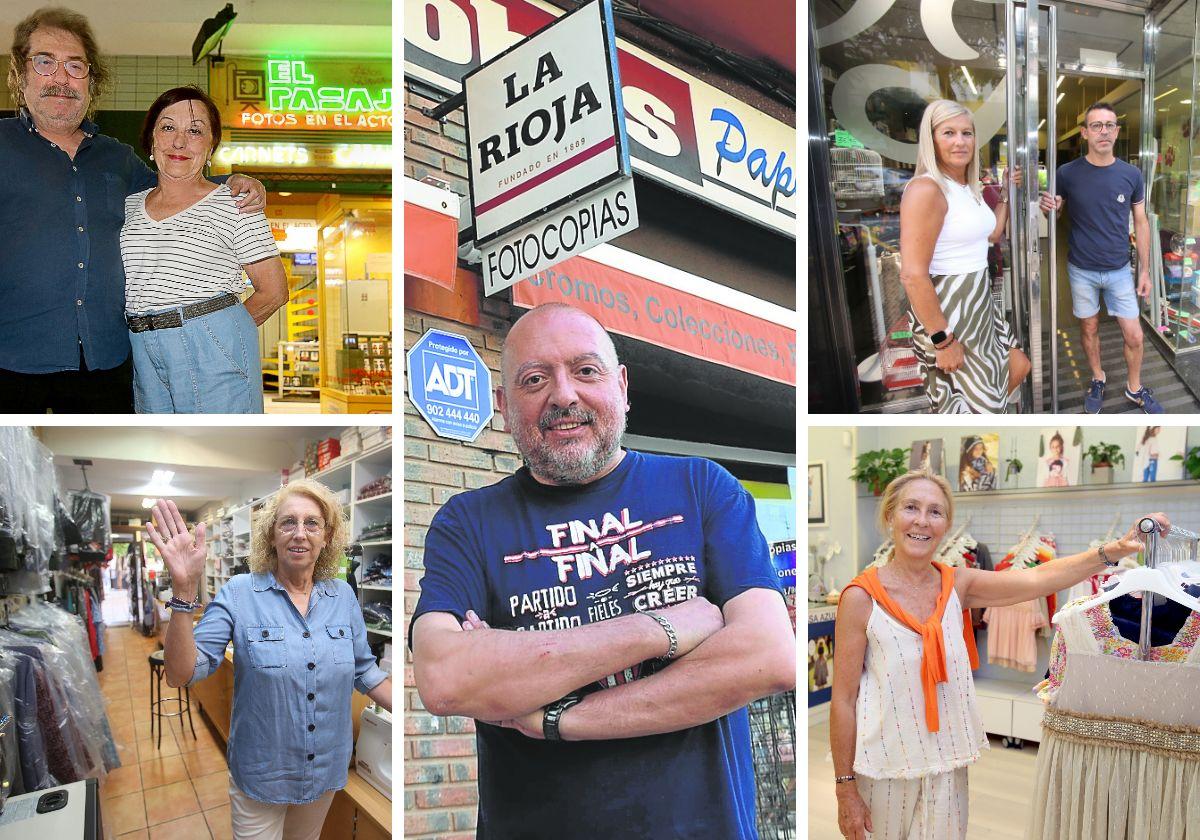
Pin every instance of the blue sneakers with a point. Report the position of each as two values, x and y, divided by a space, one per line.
1093 400
1144 399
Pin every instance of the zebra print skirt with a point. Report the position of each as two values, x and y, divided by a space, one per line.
980 386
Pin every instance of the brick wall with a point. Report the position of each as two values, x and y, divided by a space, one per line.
433 148
440 793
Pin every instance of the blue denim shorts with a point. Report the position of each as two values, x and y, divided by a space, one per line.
208 366
1120 292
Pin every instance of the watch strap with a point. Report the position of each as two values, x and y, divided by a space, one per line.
552 715
1104 556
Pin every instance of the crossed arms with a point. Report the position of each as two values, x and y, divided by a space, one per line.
726 659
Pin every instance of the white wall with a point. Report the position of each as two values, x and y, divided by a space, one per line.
836 447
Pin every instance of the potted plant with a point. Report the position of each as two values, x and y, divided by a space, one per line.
1103 457
877 468
1191 462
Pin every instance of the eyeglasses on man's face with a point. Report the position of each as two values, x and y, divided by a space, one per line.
1098 127
44 65
289 524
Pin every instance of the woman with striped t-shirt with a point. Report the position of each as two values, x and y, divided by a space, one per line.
185 246
965 349
903 721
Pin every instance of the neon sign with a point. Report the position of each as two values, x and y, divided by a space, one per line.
291 87
341 156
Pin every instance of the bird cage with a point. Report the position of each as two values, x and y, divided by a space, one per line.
857 173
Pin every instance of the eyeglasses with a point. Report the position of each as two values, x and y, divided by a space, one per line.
289 524
1098 127
44 65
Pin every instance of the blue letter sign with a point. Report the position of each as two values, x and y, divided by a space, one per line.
450 385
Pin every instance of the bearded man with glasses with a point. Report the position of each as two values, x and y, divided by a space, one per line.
64 343
1103 191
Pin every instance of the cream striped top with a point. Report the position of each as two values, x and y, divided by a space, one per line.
893 740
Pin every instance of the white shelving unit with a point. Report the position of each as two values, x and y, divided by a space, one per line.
231 532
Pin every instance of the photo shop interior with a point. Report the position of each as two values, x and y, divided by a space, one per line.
85 708
1080 683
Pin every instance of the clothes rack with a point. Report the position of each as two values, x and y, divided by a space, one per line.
1152 537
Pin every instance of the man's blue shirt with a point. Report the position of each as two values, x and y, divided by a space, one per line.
62 283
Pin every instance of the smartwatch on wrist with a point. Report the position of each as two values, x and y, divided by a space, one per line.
939 338
552 715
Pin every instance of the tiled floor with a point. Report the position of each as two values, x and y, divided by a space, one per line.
178 790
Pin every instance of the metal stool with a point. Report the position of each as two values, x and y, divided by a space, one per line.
184 699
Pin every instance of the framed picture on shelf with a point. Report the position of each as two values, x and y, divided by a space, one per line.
818 495
926 455
1153 449
1059 457
978 461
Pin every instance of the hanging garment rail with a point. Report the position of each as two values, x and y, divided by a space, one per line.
1152 537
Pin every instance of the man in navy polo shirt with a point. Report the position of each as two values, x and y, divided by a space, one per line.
1102 192
604 614
64 344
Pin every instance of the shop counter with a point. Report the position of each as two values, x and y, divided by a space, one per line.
339 402
358 812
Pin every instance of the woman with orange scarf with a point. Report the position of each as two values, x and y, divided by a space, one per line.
903 721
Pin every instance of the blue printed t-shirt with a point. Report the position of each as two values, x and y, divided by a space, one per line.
1099 201
654 532
291 734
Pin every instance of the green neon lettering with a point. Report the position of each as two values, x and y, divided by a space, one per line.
291 87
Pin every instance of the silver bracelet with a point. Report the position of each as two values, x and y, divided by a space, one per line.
837 780
670 629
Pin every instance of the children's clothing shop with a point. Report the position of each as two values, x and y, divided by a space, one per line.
94 742
1070 700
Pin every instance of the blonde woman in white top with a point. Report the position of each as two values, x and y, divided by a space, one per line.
965 349
903 721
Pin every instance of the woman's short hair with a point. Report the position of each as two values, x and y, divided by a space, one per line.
337 529
56 17
175 95
891 496
936 113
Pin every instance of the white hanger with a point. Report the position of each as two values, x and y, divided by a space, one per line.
1141 579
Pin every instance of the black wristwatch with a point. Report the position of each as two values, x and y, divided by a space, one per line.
938 337
553 713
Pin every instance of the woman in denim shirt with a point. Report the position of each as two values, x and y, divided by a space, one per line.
299 646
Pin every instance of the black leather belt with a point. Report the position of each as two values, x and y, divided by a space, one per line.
176 317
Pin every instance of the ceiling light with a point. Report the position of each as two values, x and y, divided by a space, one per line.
970 81
285 195
1042 123
1185 102
1060 97
162 478
1059 82
1166 93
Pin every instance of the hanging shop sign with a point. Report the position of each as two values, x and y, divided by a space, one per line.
643 299
553 238
544 123
681 130
290 93
339 156
450 385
